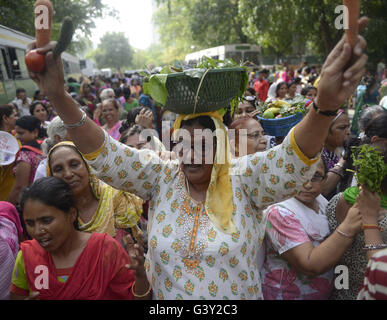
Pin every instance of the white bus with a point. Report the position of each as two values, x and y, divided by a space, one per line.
238 52
13 70
89 68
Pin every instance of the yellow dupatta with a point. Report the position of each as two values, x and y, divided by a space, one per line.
116 209
219 198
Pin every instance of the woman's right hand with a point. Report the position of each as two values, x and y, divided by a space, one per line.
352 222
51 80
369 205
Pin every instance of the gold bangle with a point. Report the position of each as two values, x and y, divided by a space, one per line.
143 295
343 234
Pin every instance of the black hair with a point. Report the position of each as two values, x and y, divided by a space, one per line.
370 82
251 91
117 92
297 80
126 92
292 83
136 129
52 192
35 104
279 87
30 123
305 90
20 90
36 94
205 121
5 110
377 127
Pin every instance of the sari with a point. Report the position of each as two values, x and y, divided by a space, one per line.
10 229
115 131
98 274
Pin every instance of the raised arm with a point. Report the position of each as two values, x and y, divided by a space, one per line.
340 76
88 137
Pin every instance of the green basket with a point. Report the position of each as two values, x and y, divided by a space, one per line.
218 88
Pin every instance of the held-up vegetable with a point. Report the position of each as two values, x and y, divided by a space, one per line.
353 17
44 10
370 167
35 61
66 35
43 23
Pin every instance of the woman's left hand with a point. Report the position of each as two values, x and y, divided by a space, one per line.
136 255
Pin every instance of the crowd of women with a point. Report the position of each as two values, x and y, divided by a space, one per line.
111 215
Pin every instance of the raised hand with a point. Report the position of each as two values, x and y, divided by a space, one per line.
145 119
51 80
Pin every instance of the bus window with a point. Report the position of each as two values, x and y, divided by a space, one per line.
4 57
252 57
2 68
236 56
22 64
66 67
16 72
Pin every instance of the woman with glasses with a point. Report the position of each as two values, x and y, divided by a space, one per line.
299 254
246 137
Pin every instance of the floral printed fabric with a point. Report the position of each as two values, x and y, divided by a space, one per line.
32 158
188 257
287 229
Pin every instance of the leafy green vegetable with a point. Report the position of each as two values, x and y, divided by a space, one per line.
157 83
370 167
288 109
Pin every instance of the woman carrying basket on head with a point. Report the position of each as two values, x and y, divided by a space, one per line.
203 234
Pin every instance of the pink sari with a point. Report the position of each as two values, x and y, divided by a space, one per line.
115 131
10 229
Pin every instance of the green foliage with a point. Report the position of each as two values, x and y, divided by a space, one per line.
19 15
114 51
370 167
190 25
281 27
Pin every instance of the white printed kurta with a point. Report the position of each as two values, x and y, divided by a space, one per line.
188 257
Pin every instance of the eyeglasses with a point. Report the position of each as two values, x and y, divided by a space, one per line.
254 135
317 178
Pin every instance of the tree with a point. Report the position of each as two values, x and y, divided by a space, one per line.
114 51
216 22
19 15
278 24
173 27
